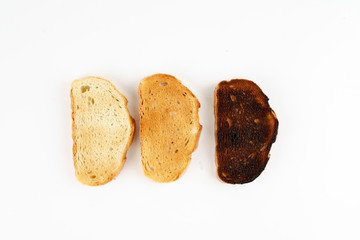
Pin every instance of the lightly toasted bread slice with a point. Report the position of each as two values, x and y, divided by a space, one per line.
102 130
245 128
169 127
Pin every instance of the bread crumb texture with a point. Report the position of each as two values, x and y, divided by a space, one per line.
169 127
102 130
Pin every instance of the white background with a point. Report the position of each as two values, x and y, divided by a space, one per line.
304 55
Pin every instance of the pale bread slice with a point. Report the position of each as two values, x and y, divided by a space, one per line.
102 130
169 127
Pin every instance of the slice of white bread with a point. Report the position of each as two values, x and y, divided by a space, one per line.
169 127
102 130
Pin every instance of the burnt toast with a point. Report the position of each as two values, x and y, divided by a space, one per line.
245 129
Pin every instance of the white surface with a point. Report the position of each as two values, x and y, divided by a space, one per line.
303 54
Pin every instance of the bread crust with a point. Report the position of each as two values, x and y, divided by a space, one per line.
163 172
129 142
245 128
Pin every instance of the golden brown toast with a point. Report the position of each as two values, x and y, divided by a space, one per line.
245 128
169 127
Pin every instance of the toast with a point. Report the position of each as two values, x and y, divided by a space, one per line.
169 127
102 130
245 128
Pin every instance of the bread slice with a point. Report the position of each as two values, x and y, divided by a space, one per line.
245 128
169 127
102 130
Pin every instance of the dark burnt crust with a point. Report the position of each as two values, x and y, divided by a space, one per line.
246 127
